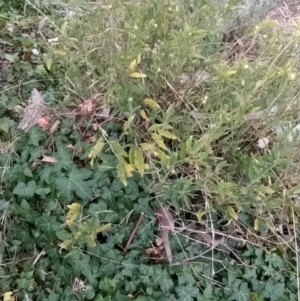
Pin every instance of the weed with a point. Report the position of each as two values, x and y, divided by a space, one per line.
201 121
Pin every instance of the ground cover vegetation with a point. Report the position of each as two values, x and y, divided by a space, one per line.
149 150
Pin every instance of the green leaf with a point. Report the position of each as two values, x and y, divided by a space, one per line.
75 183
4 124
128 123
36 135
25 191
187 293
64 157
240 293
97 148
163 279
274 291
48 225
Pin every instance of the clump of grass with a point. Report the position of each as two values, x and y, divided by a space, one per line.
215 101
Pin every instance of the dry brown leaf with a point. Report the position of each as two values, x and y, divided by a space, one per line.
35 109
86 108
166 223
44 122
35 163
155 252
49 159
55 126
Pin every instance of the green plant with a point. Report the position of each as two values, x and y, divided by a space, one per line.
197 125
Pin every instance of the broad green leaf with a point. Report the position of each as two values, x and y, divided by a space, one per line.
48 225
73 213
4 124
167 134
25 190
274 291
64 156
97 148
188 292
151 103
240 293
163 280
128 123
75 183
138 75
36 135
11 57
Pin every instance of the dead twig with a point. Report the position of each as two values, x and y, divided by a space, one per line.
131 237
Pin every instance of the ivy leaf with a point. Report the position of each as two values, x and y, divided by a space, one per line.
75 183
48 225
64 157
187 293
240 293
25 191
274 291
36 135
4 124
163 279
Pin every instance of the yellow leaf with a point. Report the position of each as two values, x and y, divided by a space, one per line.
96 150
266 189
118 149
136 158
148 147
106 7
229 73
59 52
132 65
256 225
73 213
103 228
128 123
232 213
124 170
258 85
159 141
165 159
167 134
64 28
129 169
144 114
200 214
8 296
90 240
151 103
65 244
138 75
49 63
139 58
